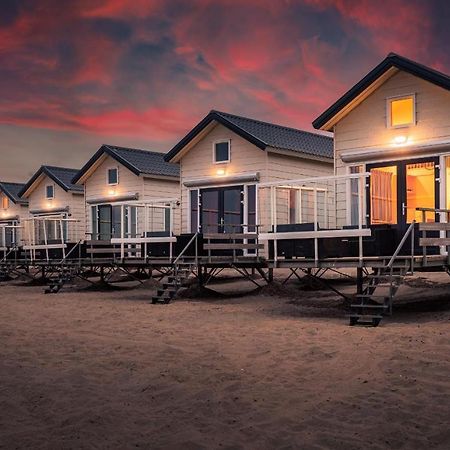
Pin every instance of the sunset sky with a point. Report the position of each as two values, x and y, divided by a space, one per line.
141 73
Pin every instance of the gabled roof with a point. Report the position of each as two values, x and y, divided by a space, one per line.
11 190
392 61
136 160
263 135
60 175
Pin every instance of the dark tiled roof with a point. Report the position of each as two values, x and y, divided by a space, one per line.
392 60
60 175
137 160
12 191
263 135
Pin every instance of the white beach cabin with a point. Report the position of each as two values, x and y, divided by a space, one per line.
13 209
56 207
224 159
131 202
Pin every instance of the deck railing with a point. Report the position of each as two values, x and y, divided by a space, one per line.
332 207
442 226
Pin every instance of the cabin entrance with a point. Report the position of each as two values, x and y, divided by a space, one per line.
107 222
397 188
222 209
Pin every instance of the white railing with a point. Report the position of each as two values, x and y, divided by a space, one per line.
51 232
155 224
314 208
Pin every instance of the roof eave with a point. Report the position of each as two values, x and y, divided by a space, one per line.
171 154
390 65
81 177
300 154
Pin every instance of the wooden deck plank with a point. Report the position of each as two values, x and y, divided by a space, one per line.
229 246
434 226
434 242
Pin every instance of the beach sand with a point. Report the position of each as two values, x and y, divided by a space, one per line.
109 370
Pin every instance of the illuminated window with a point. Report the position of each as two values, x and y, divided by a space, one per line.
221 152
383 195
401 111
420 190
113 176
355 194
49 192
5 202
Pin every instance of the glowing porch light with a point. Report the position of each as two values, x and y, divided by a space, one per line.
112 192
220 172
400 140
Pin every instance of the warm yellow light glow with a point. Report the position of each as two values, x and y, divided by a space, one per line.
49 205
220 172
402 112
399 140
112 192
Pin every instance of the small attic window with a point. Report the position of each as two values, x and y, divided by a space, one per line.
113 176
401 111
49 192
221 152
5 202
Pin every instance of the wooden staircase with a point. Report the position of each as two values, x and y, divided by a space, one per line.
4 273
56 282
177 279
375 300
379 289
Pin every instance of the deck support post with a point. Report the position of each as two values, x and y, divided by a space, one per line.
359 280
270 275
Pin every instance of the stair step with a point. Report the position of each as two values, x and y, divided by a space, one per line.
371 296
165 294
375 276
369 306
158 300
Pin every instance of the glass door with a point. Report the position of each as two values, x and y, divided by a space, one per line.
104 222
221 209
397 189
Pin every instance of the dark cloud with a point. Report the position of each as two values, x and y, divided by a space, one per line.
149 69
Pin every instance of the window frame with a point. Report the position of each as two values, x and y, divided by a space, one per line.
5 202
390 100
221 141
47 197
116 168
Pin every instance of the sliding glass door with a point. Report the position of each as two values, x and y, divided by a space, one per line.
107 222
397 189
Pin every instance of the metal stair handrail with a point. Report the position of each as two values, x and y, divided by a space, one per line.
71 250
409 231
194 238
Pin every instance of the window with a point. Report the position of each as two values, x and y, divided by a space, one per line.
5 202
113 176
194 210
355 188
383 195
222 152
401 111
49 192
293 205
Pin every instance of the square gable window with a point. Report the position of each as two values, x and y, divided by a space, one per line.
113 176
49 192
401 111
222 152
5 202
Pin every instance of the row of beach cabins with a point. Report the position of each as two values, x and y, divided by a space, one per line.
236 192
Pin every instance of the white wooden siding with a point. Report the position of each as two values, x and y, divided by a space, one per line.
37 201
365 127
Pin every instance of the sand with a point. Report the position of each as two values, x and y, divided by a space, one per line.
110 370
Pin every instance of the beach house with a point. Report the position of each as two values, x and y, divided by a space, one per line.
225 157
13 208
394 125
131 200
56 212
